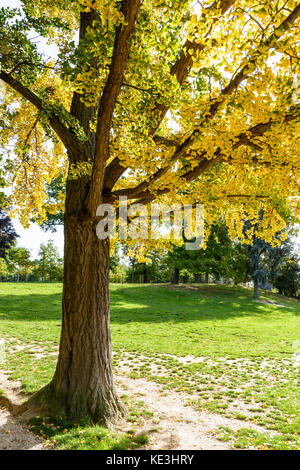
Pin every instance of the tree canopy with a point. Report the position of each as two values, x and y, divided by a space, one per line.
154 100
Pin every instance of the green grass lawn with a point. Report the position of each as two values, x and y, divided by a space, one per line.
246 348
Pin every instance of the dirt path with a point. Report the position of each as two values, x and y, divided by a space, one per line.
179 425
174 425
15 435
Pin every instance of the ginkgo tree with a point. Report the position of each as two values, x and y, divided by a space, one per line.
156 100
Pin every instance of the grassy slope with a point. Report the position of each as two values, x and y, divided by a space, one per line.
213 321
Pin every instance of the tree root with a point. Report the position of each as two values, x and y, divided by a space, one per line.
47 402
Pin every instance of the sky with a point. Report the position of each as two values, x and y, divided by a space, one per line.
32 237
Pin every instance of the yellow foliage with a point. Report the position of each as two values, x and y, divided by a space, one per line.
262 172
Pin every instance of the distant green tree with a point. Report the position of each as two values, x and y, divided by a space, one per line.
3 268
264 259
258 272
114 261
19 262
49 265
287 280
156 270
54 220
117 269
8 234
280 254
221 258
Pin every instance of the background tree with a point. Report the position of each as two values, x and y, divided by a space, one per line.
257 266
221 257
279 254
117 268
3 268
100 113
115 258
155 269
49 265
287 278
265 258
8 234
19 262
55 197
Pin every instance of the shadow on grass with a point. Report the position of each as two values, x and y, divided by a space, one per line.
84 436
30 307
153 304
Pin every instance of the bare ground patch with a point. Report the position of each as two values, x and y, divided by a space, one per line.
14 434
175 423
158 369
178 425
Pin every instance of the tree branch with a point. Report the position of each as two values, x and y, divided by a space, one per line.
182 149
129 9
85 114
61 130
244 138
142 190
180 69
237 80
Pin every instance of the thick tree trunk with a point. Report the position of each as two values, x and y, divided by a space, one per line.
82 385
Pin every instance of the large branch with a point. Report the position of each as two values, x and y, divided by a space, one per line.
61 130
83 113
129 10
214 106
184 63
244 138
180 69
